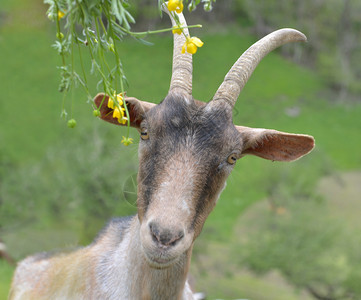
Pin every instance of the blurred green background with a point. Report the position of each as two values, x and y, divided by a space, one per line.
279 231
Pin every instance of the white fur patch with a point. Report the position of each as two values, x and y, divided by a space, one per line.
186 100
220 191
185 207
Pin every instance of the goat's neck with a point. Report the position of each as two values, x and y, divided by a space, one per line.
129 267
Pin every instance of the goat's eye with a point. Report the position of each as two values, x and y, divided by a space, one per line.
144 134
232 159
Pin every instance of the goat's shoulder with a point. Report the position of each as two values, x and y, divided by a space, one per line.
114 231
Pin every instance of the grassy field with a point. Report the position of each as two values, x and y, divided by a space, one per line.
31 127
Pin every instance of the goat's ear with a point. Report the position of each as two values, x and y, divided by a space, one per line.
136 109
275 145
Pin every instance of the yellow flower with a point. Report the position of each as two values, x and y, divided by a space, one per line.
191 45
176 30
60 14
118 113
123 120
116 103
111 103
127 141
175 5
119 99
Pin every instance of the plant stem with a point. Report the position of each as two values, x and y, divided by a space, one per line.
118 65
144 33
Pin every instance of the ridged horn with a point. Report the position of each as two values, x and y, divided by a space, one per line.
242 70
182 68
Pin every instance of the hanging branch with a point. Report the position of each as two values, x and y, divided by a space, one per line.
102 38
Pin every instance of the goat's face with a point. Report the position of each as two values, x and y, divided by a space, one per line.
188 149
186 154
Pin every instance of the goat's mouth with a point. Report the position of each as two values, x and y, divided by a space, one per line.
160 260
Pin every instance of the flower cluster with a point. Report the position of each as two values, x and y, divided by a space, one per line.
117 105
191 44
79 24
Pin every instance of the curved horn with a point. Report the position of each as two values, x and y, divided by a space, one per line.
182 69
242 70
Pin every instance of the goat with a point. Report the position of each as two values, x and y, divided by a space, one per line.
187 149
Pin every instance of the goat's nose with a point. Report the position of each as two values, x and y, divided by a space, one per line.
165 236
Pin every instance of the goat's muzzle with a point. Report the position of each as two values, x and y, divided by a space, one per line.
163 245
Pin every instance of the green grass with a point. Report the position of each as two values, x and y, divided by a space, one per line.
30 105
5 275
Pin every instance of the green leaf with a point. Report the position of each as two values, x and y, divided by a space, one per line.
129 16
144 42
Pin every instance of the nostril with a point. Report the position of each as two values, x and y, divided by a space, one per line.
154 232
165 237
177 238
180 234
